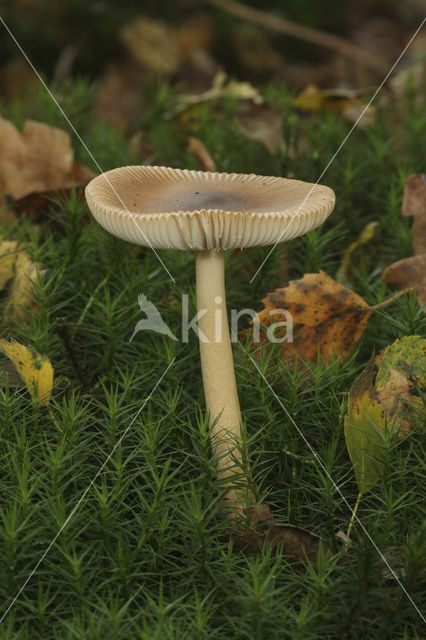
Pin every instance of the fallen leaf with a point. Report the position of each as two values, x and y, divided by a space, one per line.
153 44
261 122
343 273
221 88
414 204
37 160
327 318
297 543
344 101
401 370
8 254
364 431
388 402
20 298
34 369
408 272
406 356
412 271
311 316
200 151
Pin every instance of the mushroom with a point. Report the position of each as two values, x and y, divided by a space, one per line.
209 212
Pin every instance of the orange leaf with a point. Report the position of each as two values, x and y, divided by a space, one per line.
327 317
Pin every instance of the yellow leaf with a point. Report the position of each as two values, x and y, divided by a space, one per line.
325 318
364 431
344 101
34 369
20 296
8 255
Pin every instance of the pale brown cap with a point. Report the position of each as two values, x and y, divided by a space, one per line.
167 208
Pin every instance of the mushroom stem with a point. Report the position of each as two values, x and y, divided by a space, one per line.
220 388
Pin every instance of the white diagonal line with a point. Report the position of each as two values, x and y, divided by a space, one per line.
85 146
322 465
343 141
85 493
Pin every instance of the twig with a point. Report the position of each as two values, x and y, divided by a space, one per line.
369 59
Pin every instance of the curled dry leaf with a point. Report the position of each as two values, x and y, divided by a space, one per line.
34 369
412 271
297 543
40 159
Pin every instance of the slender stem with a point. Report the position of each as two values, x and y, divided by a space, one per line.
352 520
217 366
390 300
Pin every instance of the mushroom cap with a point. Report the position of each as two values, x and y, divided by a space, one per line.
165 208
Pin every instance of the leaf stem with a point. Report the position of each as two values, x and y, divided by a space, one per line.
392 299
352 520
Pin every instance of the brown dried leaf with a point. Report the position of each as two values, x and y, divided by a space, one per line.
298 543
414 204
38 159
262 122
408 272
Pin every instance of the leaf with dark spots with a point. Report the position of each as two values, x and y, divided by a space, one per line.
327 318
